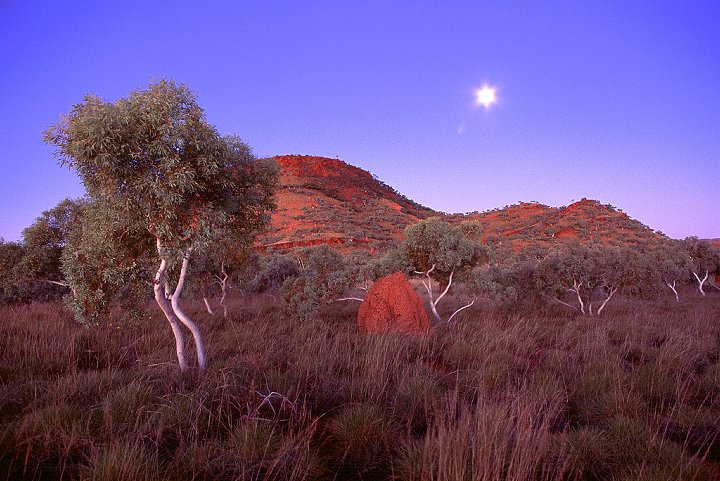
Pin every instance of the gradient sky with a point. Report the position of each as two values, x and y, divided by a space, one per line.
615 101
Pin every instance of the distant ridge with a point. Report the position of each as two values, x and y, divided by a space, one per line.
327 201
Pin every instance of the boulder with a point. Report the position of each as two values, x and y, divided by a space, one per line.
392 305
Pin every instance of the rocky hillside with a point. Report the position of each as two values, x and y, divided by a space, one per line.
714 242
327 201
526 224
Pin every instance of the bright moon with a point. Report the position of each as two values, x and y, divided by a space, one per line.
485 96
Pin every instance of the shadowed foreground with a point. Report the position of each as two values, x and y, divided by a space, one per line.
634 395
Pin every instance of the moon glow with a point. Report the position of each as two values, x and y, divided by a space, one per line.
485 96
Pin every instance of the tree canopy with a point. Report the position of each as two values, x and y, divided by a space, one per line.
164 185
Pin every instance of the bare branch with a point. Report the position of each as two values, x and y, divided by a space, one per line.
447 288
566 304
464 307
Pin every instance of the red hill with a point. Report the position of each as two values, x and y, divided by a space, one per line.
327 201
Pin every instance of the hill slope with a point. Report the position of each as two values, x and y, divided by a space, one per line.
327 201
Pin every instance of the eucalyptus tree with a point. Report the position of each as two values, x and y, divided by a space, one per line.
323 277
11 254
169 185
44 241
704 260
441 253
35 274
218 269
669 265
593 274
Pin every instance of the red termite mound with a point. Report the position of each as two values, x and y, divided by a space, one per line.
392 305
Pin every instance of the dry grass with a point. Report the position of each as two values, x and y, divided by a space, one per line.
634 395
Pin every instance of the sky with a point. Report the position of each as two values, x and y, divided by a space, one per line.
610 100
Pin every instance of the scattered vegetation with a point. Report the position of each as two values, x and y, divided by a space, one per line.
527 384
633 396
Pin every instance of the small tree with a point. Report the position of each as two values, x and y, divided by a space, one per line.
323 277
160 170
442 253
669 266
39 270
592 274
704 259
11 253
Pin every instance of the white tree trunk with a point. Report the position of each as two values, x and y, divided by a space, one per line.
701 281
612 291
223 289
427 282
162 301
463 307
207 305
576 289
189 323
672 286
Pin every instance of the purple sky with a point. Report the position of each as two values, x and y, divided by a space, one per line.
616 101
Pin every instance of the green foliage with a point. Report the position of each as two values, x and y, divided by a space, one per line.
11 253
107 262
32 269
274 270
433 242
155 172
703 256
323 278
593 272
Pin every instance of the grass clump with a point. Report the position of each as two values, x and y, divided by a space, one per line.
633 395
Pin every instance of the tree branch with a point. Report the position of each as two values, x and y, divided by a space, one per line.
447 288
464 307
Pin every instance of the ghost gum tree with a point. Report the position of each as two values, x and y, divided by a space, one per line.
704 259
164 180
593 274
440 252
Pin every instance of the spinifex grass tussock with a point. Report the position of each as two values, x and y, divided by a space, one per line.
632 395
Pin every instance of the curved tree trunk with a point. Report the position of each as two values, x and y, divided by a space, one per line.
162 301
189 323
610 294
207 305
672 287
701 281
223 289
576 289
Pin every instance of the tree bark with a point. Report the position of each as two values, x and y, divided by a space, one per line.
457 311
701 281
207 305
672 286
576 289
612 291
189 323
223 289
427 282
162 301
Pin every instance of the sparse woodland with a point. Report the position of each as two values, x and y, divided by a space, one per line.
573 358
